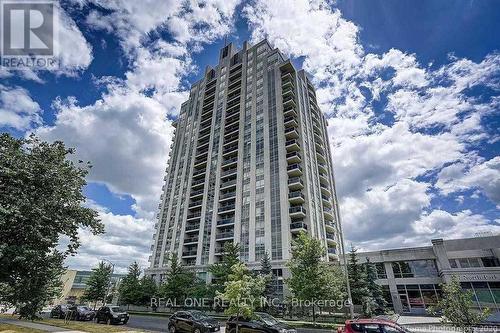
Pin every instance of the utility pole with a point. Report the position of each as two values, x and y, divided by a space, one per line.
346 272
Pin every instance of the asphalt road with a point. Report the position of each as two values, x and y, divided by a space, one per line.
151 323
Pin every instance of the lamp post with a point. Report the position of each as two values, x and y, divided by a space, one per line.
109 282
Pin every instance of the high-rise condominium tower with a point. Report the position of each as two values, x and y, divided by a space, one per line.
250 163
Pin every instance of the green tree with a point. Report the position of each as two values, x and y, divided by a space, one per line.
376 302
41 199
221 270
98 284
178 282
130 289
311 278
148 289
242 292
357 278
266 272
456 307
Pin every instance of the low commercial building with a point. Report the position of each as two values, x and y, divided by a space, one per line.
75 282
411 277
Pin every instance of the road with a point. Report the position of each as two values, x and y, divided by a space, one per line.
151 323
159 324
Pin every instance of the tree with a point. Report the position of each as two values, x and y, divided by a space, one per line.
98 284
266 272
456 307
242 292
148 289
311 278
178 282
41 200
357 278
130 289
221 270
376 301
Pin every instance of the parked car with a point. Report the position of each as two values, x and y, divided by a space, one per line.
192 322
372 326
111 315
80 312
262 322
59 311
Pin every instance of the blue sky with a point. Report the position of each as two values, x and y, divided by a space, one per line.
410 88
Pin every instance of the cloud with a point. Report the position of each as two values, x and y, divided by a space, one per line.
125 240
17 109
484 175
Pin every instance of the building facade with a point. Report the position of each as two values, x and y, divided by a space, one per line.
250 163
411 277
74 283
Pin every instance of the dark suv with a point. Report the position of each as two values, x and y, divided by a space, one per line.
111 315
192 322
59 311
81 312
262 322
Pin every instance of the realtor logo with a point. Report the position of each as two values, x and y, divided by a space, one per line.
27 34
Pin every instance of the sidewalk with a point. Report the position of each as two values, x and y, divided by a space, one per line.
33 325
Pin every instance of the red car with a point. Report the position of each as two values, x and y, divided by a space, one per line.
371 326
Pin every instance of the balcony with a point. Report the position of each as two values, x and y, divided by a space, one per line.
322 167
191 240
294 170
291 133
228 184
332 252
297 211
290 112
292 145
197 184
224 235
293 157
229 172
190 253
323 178
225 222
199 174
195 204
320 156
326 201
229 162
330 238
290 122
295 183
193 216
192 227
230 150
328 214
325 191
296 197
200 163
227 195
196 194
330 226
288 101
226 208
297 227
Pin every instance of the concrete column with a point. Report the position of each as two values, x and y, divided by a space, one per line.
396 301
442 260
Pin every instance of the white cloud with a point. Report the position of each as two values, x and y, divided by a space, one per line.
484 175
17 109
125 240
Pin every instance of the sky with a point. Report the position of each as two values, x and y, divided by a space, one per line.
410 90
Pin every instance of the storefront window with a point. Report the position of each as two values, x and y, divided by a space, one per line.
415 268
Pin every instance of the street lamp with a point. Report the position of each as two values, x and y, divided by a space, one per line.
109 283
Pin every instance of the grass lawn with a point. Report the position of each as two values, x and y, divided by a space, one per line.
86 326
8 328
